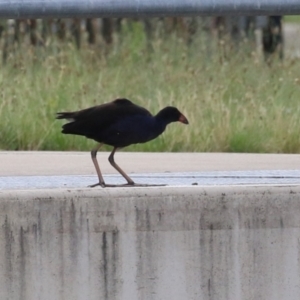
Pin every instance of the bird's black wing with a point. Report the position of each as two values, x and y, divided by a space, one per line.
91 121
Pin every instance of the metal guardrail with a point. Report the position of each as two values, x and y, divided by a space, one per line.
143 8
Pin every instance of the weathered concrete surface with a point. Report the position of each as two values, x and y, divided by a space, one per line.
235 243
291 39
23 163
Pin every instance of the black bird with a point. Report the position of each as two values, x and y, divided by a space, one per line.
119 123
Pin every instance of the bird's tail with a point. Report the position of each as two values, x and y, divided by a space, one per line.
65 115
69 128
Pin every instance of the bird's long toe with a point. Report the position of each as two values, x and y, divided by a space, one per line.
96 184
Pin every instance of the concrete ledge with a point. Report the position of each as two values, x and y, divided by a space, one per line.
20 163
238 242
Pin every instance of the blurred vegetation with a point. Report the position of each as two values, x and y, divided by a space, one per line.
292 19
234 101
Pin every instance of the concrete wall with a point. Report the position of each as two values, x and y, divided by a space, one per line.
151 243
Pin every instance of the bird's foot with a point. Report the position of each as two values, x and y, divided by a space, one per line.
147 185
102 184
118 185
126 185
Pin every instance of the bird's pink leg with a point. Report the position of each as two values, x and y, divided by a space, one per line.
95 162
112 162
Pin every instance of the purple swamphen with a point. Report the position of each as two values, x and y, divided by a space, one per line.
119 123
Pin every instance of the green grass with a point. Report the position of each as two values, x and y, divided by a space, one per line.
292 19
233 100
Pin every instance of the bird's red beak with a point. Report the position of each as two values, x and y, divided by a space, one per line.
183 119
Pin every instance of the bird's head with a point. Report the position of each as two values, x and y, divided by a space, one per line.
171 114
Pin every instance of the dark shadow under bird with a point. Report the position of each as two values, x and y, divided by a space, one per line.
119 123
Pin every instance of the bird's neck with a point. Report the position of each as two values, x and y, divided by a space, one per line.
162 120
